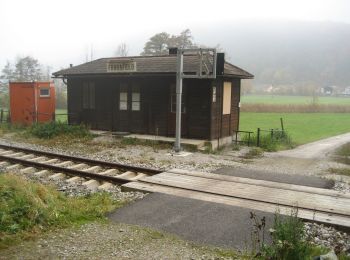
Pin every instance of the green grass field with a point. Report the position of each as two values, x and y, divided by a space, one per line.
303 127
61 115
286 100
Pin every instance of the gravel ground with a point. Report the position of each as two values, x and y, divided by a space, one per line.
329 237
104 148
109 241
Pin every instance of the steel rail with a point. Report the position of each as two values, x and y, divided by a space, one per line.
68 171
105 164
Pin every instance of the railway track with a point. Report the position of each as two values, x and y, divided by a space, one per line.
315 204
94 174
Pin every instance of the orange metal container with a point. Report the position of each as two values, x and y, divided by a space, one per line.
32 102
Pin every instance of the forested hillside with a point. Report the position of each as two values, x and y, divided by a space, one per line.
294 53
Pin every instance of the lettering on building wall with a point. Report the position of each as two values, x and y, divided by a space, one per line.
121 66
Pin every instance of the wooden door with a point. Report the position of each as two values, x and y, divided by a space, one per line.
128 116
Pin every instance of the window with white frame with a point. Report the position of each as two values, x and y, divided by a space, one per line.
135 99
214 94
123 97
44 92
88 95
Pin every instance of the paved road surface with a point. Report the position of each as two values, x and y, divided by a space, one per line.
194 220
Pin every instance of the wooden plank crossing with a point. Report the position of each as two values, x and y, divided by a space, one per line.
317 204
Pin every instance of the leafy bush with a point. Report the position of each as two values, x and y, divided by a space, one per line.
52 129
27 207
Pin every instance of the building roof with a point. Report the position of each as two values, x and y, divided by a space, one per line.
165 64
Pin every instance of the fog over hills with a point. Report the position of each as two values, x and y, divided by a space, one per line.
285 52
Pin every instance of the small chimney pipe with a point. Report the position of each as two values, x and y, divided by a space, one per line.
173 51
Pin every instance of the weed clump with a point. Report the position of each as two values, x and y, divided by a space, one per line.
288 239
27 208
271 141
53 129
254 152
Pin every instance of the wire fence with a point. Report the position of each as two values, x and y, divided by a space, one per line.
237 138
262 137
5 116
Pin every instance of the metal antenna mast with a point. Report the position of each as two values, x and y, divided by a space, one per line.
207 59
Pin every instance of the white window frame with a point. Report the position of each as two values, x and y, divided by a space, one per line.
135 99
43 88
214 94
123 97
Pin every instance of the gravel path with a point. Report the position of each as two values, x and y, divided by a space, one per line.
109 241
318 149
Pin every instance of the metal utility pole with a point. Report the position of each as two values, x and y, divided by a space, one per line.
204 65
179 72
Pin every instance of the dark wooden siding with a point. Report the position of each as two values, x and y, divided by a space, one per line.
74 101
224 125
157 106
203 118
103 113
216 109
236 97
198 108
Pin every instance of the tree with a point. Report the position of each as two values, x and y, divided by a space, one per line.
122 50
8 72
26 69
159 43
184 40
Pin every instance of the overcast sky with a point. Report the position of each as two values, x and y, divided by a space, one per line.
61 32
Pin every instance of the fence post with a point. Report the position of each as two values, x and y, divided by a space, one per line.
282 126
236 136
53 116
1 115
271 134
248 139
258 138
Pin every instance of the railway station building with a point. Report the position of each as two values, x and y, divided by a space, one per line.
138 95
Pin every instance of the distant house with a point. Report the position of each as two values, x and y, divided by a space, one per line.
327 91
346 92
137 95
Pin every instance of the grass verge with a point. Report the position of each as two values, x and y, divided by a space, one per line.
340 171
344 150
27 209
